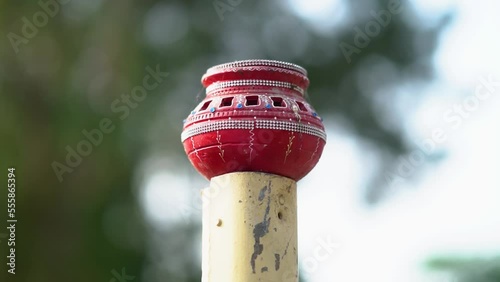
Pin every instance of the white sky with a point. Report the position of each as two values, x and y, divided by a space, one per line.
454 209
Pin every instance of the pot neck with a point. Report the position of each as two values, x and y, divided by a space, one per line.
249 75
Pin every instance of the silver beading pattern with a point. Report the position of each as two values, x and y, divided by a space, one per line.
257 63
291 126
214 126
205 127
253 82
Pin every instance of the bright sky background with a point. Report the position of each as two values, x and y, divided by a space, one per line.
453 209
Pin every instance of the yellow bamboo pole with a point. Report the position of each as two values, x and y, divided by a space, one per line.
250 228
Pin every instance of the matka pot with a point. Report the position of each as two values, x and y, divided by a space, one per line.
254 118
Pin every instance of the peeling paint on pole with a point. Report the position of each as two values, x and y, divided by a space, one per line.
257 240
262 228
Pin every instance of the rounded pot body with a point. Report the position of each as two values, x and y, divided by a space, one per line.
254 118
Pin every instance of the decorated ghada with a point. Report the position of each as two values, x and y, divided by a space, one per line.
254 118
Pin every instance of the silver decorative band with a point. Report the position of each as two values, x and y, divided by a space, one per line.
253 82
257 63
252 124
210 126
291 126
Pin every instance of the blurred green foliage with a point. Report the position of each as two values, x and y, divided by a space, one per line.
64 79
469 270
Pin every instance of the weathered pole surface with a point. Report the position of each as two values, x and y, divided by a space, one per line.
250 228
253 137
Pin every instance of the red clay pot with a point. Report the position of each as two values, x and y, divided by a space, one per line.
254 118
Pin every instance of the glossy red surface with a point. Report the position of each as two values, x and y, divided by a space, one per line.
254 118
